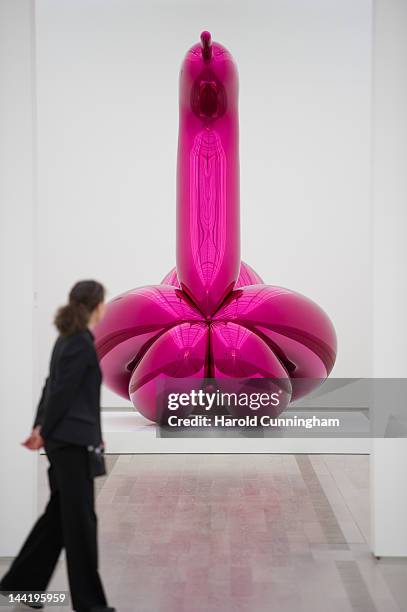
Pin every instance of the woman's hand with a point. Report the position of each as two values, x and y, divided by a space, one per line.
34 440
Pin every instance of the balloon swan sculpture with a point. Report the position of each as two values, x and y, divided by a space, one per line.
212 316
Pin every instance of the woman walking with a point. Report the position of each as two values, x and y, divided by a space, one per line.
68 425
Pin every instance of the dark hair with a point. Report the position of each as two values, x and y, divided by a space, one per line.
83 299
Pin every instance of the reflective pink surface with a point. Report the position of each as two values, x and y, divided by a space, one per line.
179 353
208 236
296 329
247 276
132 322
212 316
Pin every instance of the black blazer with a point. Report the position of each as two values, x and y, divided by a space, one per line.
69 408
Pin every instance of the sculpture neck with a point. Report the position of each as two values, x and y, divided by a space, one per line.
208 241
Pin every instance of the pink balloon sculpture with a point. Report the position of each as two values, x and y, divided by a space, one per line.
212 316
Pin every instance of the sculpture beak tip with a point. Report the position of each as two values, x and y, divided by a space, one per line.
206 43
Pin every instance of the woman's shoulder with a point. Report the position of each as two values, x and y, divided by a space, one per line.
81 339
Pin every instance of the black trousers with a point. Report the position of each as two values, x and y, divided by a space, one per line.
69 522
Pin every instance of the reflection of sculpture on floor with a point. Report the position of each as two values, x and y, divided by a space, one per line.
212 316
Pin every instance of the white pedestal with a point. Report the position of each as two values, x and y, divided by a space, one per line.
129 432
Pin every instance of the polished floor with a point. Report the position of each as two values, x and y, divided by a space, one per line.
239 533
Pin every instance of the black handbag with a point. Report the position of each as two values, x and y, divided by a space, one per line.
96 461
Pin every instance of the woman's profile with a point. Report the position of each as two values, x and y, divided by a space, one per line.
67 424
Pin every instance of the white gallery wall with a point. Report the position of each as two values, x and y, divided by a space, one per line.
18 473
389 204
107 87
